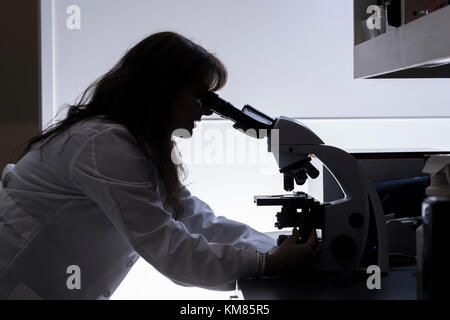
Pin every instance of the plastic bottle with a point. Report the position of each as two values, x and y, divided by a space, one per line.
432 259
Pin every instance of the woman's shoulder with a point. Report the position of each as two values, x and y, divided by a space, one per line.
98 126
110 148
98 130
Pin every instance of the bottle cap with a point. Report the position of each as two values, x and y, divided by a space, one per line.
438 166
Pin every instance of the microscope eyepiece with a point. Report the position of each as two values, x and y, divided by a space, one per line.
250 120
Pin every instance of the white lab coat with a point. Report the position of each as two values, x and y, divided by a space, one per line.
93 200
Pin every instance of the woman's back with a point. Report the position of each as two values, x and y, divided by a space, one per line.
95 206
47 222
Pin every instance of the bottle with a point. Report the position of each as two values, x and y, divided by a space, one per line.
433 278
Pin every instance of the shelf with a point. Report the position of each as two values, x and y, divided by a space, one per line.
407 49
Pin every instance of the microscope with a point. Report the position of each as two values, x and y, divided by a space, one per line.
353 233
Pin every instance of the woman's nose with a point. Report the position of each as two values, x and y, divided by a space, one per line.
204 110
207 111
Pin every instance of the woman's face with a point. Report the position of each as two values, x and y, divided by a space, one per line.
187 109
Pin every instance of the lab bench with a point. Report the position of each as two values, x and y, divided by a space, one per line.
399 283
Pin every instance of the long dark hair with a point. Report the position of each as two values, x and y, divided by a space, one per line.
137 93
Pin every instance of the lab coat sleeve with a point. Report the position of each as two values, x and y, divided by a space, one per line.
199 218
111 170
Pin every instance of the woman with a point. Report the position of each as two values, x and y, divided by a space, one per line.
99 189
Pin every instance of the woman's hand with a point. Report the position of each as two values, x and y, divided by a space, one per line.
291 256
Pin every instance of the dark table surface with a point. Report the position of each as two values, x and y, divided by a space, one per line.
399 284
